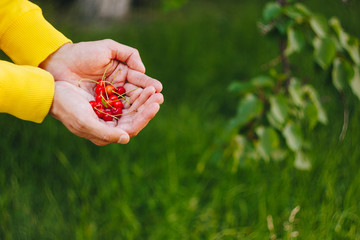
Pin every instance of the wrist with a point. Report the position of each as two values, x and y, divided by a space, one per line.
56 56
56 62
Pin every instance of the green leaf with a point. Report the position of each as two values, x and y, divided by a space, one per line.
342 73
341 34
324 51
294 13
319 25
293 136
315 99
268 142
302 161
349 43
273 122
355 82
296 41
279 108
104 102
262 81
353 49
271 11
302 9
283 25
249 108
296 92
241 87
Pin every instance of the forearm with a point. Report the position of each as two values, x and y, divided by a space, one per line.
25 92
25 36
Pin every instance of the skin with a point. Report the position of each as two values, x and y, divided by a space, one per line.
122 66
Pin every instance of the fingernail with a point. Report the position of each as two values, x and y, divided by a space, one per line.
123 139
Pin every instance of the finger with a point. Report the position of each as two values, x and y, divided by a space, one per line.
126 54
142 80
118 75
132 92
141 116
142 119
155 98
102 133
142 98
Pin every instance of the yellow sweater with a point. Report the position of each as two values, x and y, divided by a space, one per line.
26 91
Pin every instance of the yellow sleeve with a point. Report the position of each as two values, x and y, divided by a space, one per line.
28 39
25 36
26 92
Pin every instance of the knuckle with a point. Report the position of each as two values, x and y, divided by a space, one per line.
106 138
107 40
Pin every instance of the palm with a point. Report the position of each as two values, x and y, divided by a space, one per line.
71 107
82 64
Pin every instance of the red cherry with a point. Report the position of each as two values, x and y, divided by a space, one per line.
101 82
107 116
120 90
118 104
99 112
99 98
110 89
108 103
117 112
93 103
99 89
113 98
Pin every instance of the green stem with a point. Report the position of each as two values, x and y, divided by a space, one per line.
119 70
104 74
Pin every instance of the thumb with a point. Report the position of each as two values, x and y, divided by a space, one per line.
104 134
126 54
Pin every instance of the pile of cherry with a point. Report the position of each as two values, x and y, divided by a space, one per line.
108 103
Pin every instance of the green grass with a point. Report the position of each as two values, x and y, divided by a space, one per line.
169 182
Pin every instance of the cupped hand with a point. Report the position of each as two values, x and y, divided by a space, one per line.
95 60
71 106
82 64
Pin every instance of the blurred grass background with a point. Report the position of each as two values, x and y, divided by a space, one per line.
163 184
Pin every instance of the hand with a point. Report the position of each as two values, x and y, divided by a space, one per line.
71 106
89 60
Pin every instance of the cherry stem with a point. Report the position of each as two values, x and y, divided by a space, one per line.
104 74
115 116
94 81
135 110
123 95
121 114
119 70
106 113
86 79
107 96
